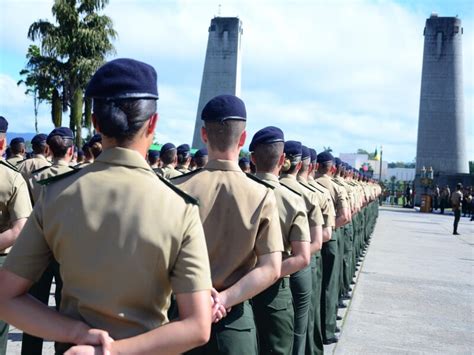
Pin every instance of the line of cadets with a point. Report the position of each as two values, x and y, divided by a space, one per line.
326 212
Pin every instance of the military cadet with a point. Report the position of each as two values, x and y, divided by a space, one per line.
39 160
244 164
15 208
241 225
169 159
122 249
80 156
314 341
330 253
273 308
18 150
92 150
456 202
201 158
154 159
184 158
302 281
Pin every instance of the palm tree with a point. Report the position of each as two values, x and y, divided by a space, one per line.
79 44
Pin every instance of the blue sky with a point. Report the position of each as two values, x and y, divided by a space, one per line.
344 74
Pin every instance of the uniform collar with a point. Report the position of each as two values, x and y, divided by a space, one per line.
60 162
169 166
267 176
219 164
288 176
40 156
123 156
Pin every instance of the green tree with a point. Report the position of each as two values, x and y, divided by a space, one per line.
77 44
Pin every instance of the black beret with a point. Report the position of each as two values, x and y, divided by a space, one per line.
166 147
267 135
244 160
80 153
293 148
17 140
337 161
324 157
96 138
224 107
183 149
305 153
153 153
201 153
3 124
63 132
123 79
314 155
39 139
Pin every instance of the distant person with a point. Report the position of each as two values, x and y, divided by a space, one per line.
436 197
244 164
18 151
445 194
184 158
154 159
456 202
201 158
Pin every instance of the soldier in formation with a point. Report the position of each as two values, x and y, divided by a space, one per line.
252 263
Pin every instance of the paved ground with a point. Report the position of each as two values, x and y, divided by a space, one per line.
414 293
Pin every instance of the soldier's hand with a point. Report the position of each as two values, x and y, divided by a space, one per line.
85 350
218 309
94 337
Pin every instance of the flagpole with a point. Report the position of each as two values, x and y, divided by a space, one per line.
380 172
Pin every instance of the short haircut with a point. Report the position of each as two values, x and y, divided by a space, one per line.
224 135
59 145
305 165
325 167
168 156
96 149
267 155
122 119
183 158
39 148
153 159
17 147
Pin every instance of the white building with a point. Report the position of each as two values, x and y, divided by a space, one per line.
401 174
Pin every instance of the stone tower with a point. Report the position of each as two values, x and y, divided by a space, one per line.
441 123
222 67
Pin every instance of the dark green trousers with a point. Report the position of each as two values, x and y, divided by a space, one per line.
235 334
341 242
3 326
347 265
314 339
330 286
275 317
301 290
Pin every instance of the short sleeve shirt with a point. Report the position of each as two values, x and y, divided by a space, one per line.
123 239
325 202
239 216
57 168
338 196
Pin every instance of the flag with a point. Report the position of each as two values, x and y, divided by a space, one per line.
376 155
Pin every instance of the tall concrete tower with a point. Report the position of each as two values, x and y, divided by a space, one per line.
441 124
222 67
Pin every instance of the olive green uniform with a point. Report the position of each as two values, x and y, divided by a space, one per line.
112 220
14 205
273 308
240 220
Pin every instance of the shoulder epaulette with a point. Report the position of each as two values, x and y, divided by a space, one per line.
337 182
309 188
184 195
21 161
254 178
40 169
187 174
57 177
8 165
289 188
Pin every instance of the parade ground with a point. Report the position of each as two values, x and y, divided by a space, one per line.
414 293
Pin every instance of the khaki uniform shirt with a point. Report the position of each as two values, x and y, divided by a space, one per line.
239 216
292 211
168 172
182 169
325 202
82 165
14 198
14 160
315 217
350 195
27 167
123 239
338 195
57 168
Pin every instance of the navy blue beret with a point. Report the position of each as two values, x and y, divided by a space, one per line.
39 139
293 148
154 154
80 153
123 79
337 161
17 140
224 107
166 147
183 149
305 153
267 135
314 155
324 157
3 124
63 132
201 153
96 138
244 160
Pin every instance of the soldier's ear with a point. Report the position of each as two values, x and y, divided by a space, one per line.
152 124
243 137
204 135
